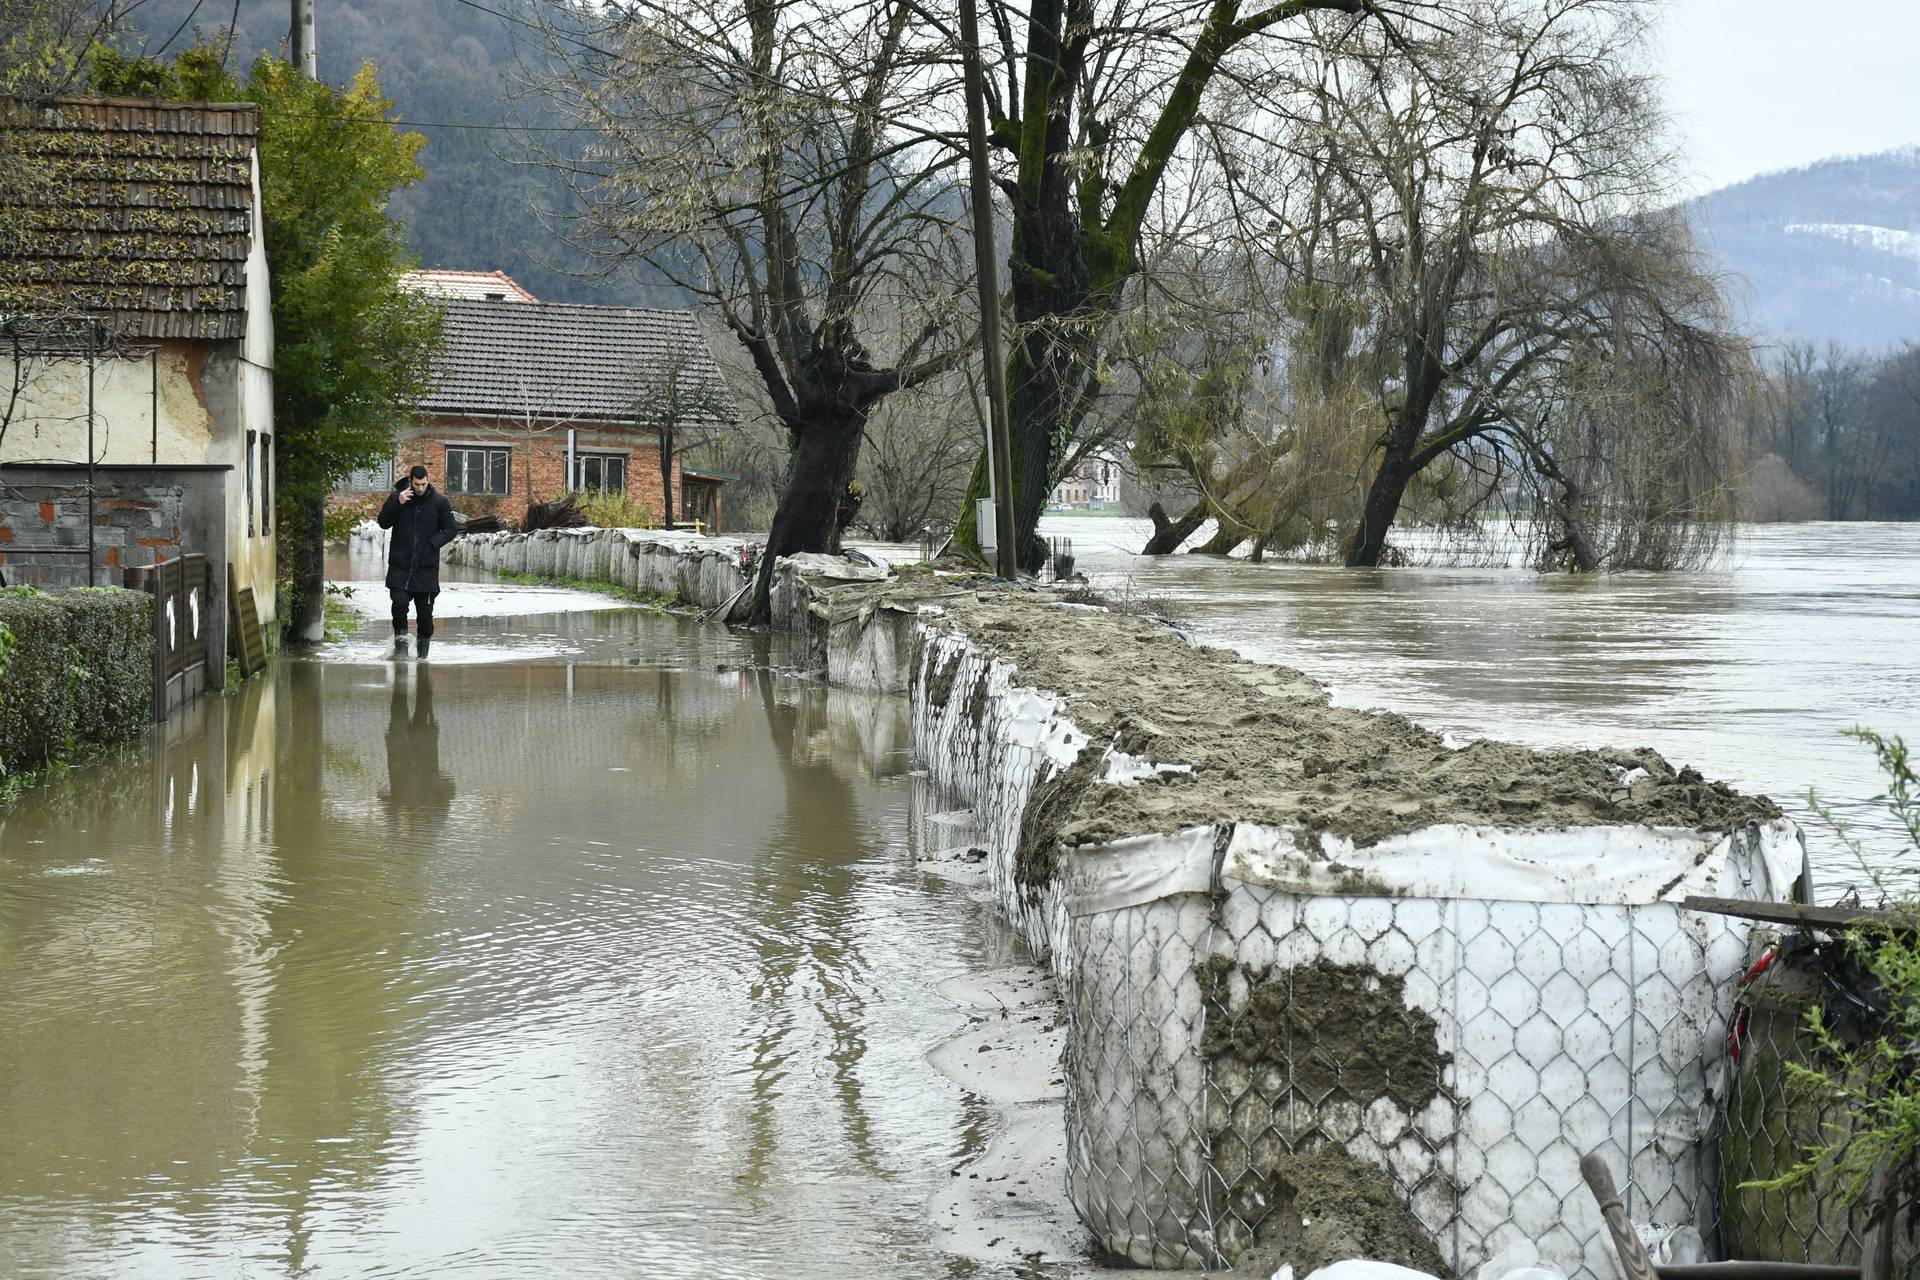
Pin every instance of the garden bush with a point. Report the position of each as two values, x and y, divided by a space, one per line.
78 670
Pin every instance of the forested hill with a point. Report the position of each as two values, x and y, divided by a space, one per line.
448 63
1831 251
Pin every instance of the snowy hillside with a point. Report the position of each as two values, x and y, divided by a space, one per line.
1831 251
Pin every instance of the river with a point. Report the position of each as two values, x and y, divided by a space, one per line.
595 948
1749 671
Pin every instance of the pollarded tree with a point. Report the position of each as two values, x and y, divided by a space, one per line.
755 155
1541 327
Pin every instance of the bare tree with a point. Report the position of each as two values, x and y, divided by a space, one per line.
753 154
1092 109
682 408
920 448
1488 193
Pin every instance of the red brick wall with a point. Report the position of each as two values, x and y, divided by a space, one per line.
545 450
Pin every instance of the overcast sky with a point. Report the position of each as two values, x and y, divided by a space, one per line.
1758 85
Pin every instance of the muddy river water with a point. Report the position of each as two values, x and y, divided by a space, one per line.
593 949
1749 671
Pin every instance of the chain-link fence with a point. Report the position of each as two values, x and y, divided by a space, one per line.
1239 1053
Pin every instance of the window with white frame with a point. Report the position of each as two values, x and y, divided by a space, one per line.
476 470
600 472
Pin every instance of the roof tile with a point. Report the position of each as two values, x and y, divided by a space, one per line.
137 212
565 361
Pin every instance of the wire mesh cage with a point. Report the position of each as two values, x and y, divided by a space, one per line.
1472 1050
1230 1042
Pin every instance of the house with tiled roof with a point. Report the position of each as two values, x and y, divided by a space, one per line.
532 400
136 342
475 286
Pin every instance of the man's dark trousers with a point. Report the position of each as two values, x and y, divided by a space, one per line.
422 602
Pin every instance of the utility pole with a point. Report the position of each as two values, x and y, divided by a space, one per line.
305 55
309 623
999 442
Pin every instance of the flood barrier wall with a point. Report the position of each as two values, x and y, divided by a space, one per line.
1469 1008
703 572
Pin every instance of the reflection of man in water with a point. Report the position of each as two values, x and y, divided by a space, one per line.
416 788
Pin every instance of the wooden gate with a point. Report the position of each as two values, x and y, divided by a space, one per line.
182 590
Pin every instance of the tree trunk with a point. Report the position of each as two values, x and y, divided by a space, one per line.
808 517
666 477
1169 534
1369 541
308 624
1227 535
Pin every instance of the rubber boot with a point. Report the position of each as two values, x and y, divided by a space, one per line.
400 645
421 648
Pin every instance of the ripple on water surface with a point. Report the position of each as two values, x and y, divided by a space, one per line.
604 966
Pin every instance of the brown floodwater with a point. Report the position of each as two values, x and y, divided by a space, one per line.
597 950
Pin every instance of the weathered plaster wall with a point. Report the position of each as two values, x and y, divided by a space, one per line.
50 423
247 375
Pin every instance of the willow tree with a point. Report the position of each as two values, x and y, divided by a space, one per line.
1092 109
755 155
1542 326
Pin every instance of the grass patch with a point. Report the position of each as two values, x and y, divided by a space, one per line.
339 620
660 602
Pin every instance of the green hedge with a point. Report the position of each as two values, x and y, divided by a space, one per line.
77 670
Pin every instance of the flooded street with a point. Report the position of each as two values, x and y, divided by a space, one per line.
595 949
1748 671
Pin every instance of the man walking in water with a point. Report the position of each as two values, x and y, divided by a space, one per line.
422 522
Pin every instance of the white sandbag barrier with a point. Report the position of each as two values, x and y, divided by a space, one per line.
1468 1008
703 572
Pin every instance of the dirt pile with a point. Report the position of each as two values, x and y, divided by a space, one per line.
1265 746
1329 1206
1328 1032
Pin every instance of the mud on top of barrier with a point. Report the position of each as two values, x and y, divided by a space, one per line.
1254 743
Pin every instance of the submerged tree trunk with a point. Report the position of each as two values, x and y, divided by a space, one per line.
1168 535
808 518
1228 535
1369 541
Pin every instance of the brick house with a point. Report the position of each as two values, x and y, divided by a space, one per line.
532 400
136 343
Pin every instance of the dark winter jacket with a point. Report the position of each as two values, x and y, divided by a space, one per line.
420 527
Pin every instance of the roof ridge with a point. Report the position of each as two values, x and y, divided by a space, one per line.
584 306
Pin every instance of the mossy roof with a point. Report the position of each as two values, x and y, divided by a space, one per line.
136 212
